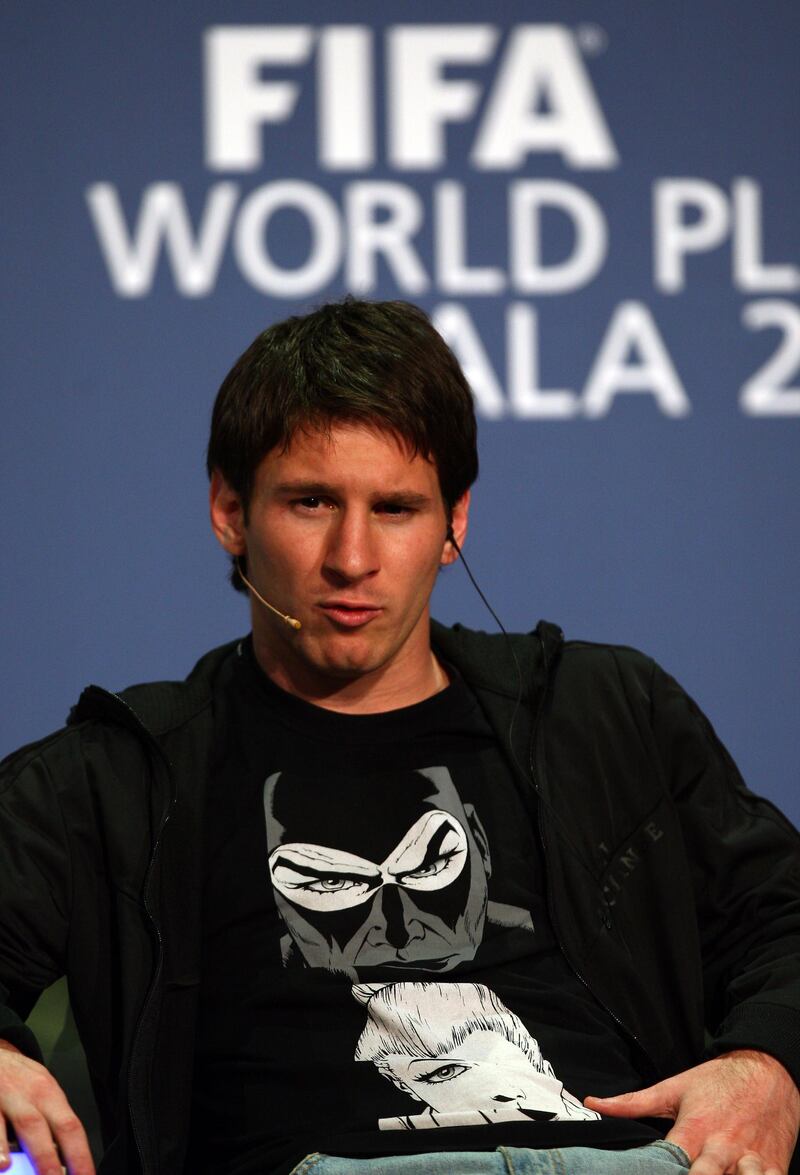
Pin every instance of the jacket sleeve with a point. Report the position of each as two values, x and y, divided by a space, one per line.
744 857
35 881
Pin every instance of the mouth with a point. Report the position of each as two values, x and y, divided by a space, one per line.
396 964
349 615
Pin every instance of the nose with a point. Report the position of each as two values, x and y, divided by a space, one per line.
393 919
351 553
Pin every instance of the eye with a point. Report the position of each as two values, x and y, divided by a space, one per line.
394 509
322 879
312 504
442 1073
431 855
330 884
432 869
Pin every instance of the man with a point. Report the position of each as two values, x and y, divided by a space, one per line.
207 860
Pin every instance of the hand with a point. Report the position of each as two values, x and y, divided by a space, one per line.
34 1104
737 1114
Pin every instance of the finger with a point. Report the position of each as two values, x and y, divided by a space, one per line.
37 1127
33 1135
5 1156
73 1143
686 1140
55 1123
750 1163
714 1159
654 1102
65 1130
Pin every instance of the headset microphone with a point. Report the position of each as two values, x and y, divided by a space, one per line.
290 620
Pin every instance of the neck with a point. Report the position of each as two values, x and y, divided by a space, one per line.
376 692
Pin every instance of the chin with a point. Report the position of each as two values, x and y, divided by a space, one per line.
349 664
346 669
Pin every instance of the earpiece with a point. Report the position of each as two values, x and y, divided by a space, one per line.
290 620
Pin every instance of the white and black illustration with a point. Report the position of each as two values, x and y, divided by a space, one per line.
360 883
460 1052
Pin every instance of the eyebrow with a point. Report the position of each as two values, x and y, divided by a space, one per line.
306 488
331 871
433 849
438 1062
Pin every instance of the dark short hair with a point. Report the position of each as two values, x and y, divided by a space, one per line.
377 363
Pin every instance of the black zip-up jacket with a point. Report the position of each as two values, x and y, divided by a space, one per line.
674 892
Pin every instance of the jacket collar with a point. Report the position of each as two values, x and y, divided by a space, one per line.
509 675
509 664
154 708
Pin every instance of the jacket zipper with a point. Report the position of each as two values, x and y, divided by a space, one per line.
151 994
147 738
550 905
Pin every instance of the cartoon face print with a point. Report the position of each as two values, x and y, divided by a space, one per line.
430 856
388 871
457 1048
486 1075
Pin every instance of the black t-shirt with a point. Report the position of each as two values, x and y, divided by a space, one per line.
378 956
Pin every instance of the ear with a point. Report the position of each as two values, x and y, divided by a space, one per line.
481 839
458 528
227 515
399 1083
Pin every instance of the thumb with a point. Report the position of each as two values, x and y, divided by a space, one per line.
657 1101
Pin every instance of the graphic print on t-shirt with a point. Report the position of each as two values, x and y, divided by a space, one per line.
457 1049
440 874
363 882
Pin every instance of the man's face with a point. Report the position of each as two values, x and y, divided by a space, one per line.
346 532
363 883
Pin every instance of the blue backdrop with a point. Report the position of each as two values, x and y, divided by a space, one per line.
597 203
